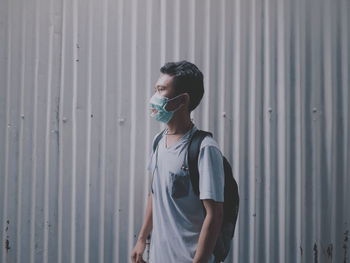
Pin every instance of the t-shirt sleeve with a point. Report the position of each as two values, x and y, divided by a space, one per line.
149 171
211 174
150 161
151 164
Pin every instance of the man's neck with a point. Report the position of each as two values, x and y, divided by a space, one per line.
179 124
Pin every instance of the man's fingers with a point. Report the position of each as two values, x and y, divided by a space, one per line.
139 259
133 258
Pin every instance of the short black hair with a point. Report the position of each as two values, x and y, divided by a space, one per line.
187 78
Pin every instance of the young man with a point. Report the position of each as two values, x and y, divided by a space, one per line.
181 231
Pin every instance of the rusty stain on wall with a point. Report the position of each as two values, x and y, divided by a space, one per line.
330 252
7 244
345 246
315 253
7 241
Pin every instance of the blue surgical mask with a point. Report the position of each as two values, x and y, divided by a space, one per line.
159 102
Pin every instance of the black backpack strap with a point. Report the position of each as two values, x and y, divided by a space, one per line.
154 147
193 154
156 141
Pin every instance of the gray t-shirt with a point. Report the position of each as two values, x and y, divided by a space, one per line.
178 213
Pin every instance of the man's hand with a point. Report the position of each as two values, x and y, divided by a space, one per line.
210 230
136 255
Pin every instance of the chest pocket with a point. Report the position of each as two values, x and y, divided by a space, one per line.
179 183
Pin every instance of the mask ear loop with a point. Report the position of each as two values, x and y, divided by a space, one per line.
164 107
175 97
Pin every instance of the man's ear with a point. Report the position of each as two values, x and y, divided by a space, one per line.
186 100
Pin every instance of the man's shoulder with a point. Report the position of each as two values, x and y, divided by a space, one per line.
209 141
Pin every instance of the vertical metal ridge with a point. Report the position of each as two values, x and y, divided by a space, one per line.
251 169
314 129
103 133
60 132
150 91
236 80
267 117
119 139
316 132
222 77
345 85
337 133
281 131
117 220
323 168
163 23
192 40
47 140
298 131
258 116
302 19
4 239
74 131
34 147
177 30
3 129
133 117
332 105
21 137
88 138
345 20
192 37
206 72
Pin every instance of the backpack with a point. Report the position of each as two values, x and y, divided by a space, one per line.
231 197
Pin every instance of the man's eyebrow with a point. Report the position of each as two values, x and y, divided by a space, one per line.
159 86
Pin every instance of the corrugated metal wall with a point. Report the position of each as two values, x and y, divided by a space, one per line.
75 134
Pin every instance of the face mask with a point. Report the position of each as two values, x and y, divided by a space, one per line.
159 103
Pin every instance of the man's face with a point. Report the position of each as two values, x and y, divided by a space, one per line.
165 87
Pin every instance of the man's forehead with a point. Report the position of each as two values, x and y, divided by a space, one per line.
164 80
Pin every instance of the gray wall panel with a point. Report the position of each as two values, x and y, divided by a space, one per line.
75 134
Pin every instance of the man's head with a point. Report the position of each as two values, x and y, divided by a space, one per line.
186 78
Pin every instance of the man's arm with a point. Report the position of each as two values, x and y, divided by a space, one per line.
210 230
136 255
